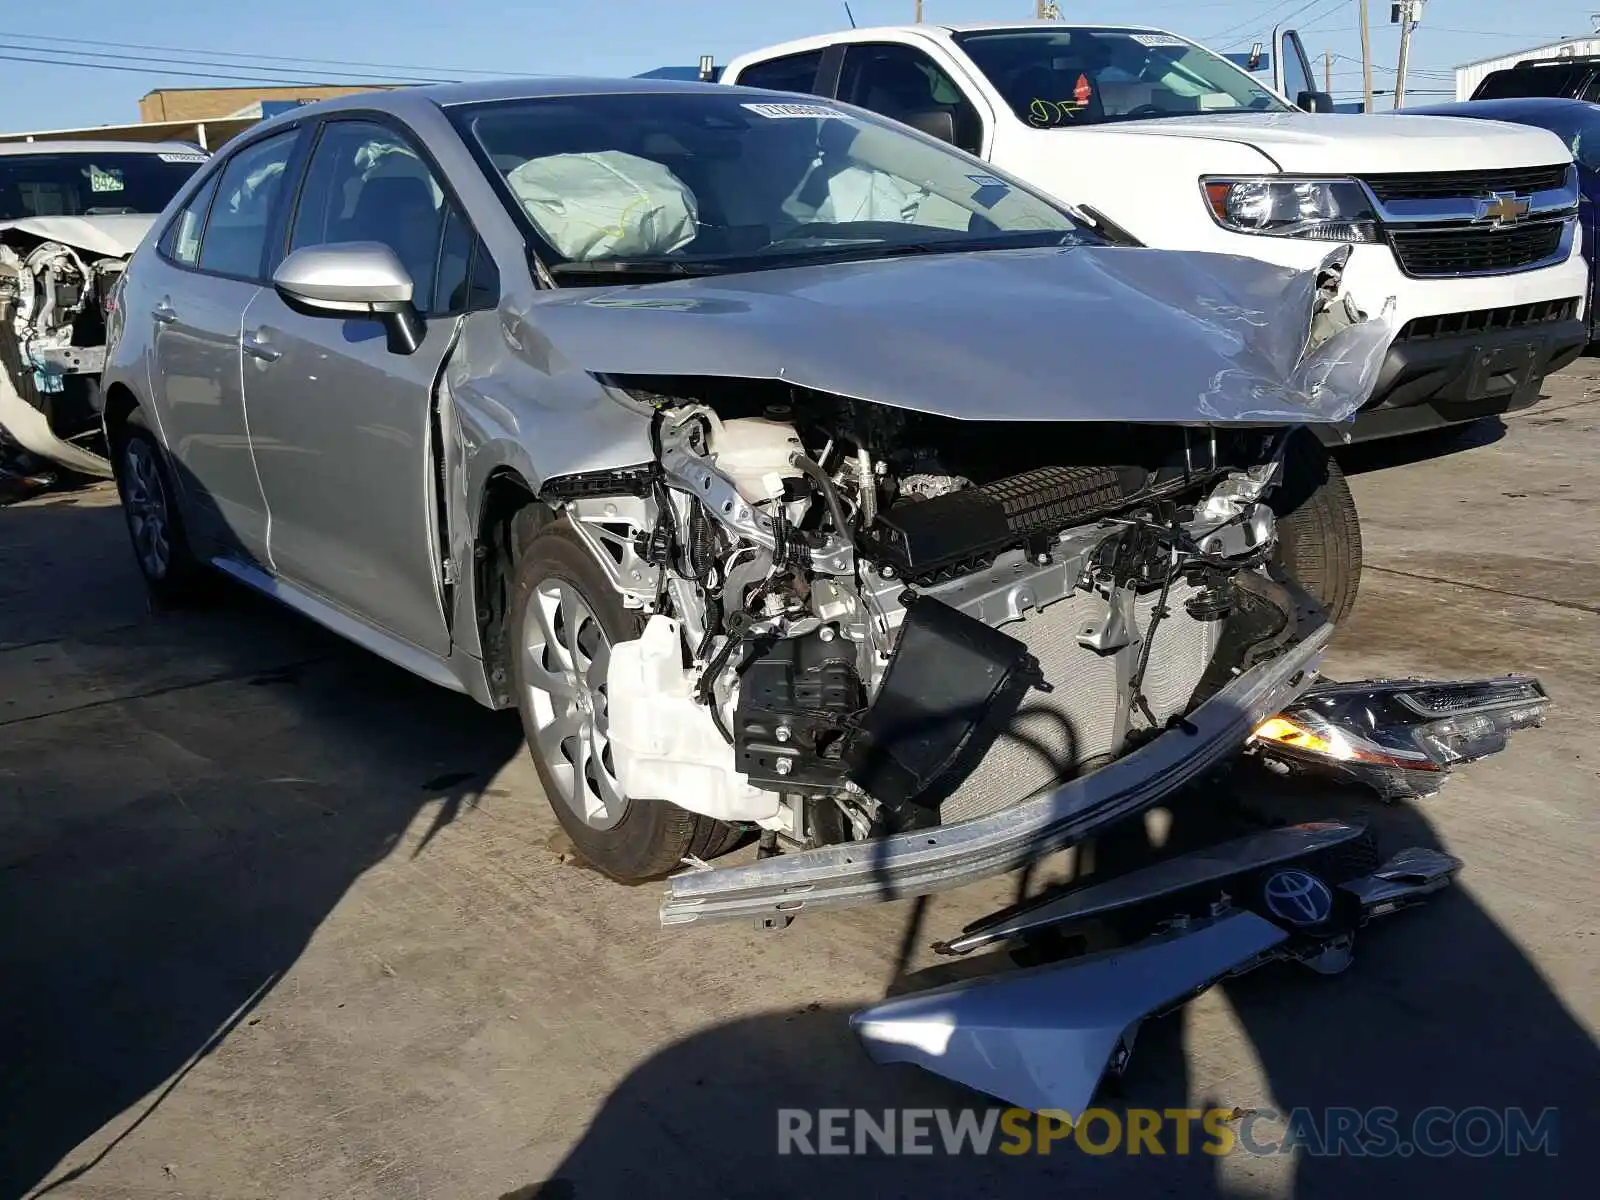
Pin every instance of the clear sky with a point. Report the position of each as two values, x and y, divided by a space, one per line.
225 41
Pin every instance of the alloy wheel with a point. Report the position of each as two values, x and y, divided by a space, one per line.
566 654
144 500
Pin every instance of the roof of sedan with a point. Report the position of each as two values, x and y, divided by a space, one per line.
447 95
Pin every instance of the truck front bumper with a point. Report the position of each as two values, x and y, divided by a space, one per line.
1428 382
931 860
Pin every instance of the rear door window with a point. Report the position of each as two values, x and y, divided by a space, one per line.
791 73
181 242
235 238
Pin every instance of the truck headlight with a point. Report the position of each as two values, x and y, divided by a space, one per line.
1322 210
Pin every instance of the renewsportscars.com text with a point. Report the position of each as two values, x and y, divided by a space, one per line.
1477 1132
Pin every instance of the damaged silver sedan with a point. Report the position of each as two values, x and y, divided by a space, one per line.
797 477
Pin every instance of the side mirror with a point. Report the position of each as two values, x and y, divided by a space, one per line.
357 278
1315 102
935 122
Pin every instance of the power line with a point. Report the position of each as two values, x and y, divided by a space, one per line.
298 59
1267 16
163 63
215 78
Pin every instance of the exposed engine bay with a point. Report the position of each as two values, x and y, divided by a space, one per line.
864 620
54 306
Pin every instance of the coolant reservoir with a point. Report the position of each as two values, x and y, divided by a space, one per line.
754 452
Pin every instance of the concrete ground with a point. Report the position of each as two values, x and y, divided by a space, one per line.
278 920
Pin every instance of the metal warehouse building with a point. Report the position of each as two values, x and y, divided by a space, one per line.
1469 75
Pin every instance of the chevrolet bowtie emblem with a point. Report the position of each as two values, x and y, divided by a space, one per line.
1503 208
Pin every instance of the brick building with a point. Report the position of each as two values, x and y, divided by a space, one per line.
209 104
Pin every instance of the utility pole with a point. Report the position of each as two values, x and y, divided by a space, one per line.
1366 59
1327 71
1406 14
919 12
1046 10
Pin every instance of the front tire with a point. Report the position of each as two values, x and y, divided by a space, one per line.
155 524
567 617
1319 531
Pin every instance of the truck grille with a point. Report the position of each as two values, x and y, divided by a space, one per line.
1435 186
1469 251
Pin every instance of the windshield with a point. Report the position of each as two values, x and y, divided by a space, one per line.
694 182
1055 79
1517 84
75 184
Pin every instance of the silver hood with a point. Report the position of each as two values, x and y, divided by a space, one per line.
1058 334
115 234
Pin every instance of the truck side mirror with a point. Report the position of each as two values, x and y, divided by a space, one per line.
1315 102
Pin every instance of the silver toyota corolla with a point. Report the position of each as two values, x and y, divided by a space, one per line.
787 469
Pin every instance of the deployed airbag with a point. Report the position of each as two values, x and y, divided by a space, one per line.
606 204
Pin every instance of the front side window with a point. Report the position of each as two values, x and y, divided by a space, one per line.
1059 79
904 84
366 183
75 184
236 234
792 73
702 182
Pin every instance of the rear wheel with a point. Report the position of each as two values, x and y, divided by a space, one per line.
568 617
155 524
1319 532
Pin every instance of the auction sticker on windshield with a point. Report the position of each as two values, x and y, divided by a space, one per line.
1157 39
777 111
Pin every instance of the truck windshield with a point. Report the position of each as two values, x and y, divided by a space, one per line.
721 180
1521 82
1061 78
80 184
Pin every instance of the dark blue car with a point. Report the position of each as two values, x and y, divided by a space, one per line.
1576 122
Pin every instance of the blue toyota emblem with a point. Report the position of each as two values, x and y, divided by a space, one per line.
1298 898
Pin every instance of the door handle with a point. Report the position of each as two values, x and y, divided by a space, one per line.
256 348
164 313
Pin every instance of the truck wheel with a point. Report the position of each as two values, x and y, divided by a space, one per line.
1319 533
568 617
155 524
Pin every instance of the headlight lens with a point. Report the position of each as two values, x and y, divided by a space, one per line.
1323 210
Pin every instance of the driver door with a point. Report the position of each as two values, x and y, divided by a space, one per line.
343 427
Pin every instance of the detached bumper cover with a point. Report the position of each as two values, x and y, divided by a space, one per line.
930 860
1043 1039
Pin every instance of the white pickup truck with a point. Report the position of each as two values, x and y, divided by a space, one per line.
1471 226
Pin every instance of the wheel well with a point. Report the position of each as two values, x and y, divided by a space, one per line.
119 405
509 518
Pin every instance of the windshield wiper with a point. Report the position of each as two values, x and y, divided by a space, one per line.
656 268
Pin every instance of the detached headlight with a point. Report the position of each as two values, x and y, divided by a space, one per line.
1322 210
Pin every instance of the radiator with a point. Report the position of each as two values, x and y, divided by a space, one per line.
1055 731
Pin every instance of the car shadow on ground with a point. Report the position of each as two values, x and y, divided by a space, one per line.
1441 1015
1410 448
173 836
